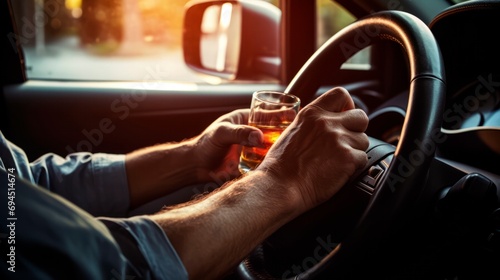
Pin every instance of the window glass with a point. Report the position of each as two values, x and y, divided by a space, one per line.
123 39
103 40
332 17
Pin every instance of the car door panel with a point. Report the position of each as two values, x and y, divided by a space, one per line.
115 117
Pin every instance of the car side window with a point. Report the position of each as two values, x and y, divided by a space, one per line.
115 40
331 18
121 40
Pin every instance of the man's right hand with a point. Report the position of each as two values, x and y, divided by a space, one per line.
318 153
310 162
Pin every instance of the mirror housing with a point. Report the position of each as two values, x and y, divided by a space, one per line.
233 40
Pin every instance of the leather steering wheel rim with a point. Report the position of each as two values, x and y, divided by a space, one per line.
419 137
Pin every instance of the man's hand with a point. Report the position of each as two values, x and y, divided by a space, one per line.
310 162
217 149
316 155
211 156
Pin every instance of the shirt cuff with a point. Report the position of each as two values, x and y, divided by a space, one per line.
160 256
111 184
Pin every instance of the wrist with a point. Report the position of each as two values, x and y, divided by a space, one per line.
282 194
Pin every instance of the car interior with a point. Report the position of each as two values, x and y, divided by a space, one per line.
426 206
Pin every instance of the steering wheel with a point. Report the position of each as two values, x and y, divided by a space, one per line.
396 175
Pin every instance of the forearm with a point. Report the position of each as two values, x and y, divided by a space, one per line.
213 235
159 170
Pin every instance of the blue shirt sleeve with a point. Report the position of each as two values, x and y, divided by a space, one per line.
53 232
96 183
47 237
160 258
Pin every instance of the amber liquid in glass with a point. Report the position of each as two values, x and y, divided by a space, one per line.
251 157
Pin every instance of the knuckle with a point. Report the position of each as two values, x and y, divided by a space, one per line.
324 124
219 128
237 131
308 111
365 142
361 115
342 93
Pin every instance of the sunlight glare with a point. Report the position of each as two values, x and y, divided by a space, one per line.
225 20
73 4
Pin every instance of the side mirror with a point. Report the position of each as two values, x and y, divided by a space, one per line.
233 39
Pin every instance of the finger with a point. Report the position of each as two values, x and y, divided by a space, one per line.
228 134
360 158
336 99
358 141
353 160
355 120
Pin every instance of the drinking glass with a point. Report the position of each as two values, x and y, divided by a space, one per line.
271 112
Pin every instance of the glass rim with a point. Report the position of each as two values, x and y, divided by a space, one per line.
296 98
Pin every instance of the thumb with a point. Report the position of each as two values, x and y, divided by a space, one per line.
228 134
